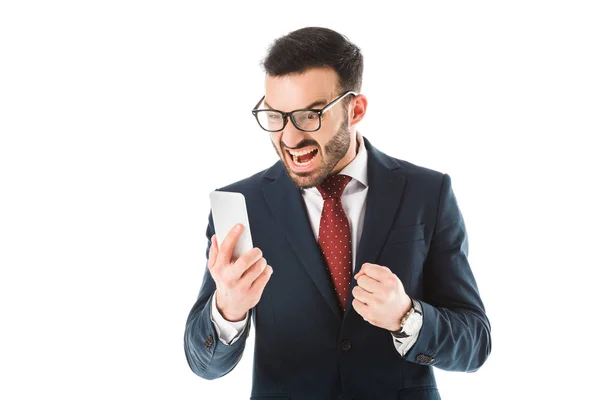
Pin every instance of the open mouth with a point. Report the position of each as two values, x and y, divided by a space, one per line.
303 158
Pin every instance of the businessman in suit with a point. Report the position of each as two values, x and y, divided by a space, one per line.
359 283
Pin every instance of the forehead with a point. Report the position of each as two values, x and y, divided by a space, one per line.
295 91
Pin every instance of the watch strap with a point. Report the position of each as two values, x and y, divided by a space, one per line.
417 309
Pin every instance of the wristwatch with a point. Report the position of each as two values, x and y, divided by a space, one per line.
411 322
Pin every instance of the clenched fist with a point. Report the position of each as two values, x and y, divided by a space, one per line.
379 296
240 283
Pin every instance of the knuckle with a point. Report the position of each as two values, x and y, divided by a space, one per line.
242 262
238 262
228 282
251 265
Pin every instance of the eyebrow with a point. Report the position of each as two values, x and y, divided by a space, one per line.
311 105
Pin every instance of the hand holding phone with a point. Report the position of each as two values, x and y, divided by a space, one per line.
240 280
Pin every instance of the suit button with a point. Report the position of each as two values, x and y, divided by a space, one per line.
345 345
425 359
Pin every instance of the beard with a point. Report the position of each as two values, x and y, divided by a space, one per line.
335 150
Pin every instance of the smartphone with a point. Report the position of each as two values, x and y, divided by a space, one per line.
228 209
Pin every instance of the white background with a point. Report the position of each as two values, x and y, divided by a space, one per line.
118 118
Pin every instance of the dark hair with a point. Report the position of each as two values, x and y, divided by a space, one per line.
316 47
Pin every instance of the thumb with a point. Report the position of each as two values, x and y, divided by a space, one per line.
359 274
214 250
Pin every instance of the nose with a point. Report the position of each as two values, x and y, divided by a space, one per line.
292 136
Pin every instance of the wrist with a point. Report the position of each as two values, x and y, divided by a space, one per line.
233 317
408 305
411 322
407 311
227 315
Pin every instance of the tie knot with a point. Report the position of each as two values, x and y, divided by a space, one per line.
334 185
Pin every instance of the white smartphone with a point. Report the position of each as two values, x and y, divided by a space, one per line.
228 209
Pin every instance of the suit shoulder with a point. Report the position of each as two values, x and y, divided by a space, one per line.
414 173
420 172
250 184
426 184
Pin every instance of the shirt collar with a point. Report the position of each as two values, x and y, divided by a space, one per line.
357 168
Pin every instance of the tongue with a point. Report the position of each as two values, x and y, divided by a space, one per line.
306 157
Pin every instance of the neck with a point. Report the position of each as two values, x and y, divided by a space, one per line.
352 152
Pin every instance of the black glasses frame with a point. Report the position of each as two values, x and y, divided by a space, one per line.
285 115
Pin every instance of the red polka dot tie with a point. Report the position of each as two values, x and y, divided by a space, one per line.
334 235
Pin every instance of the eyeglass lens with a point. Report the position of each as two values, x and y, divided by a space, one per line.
273 120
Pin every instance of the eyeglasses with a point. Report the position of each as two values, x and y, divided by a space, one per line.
307 120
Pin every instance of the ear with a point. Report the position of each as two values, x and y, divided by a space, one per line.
358 109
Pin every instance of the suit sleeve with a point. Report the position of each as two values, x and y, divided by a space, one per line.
456 333
206 355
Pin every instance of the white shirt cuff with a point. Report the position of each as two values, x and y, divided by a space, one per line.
227 331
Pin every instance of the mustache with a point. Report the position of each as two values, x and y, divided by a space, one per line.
299 146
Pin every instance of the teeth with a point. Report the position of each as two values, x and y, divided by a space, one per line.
304 164
301 153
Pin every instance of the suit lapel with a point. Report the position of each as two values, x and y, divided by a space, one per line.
284 199
383 199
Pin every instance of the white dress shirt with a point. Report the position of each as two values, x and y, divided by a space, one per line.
354 205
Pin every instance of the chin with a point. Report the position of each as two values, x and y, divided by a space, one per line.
307 180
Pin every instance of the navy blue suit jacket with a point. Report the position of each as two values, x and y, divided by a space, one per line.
305 347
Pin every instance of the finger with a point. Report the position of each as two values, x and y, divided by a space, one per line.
360 307
359 274
242 264
368 284
212 254
226 249
260 282
377 272
246 261
362 295
250 275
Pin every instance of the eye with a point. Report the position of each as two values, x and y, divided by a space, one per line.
307 116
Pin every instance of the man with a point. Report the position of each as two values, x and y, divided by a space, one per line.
359 283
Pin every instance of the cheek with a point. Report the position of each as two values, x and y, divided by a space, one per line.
326 121
275 141
331 128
